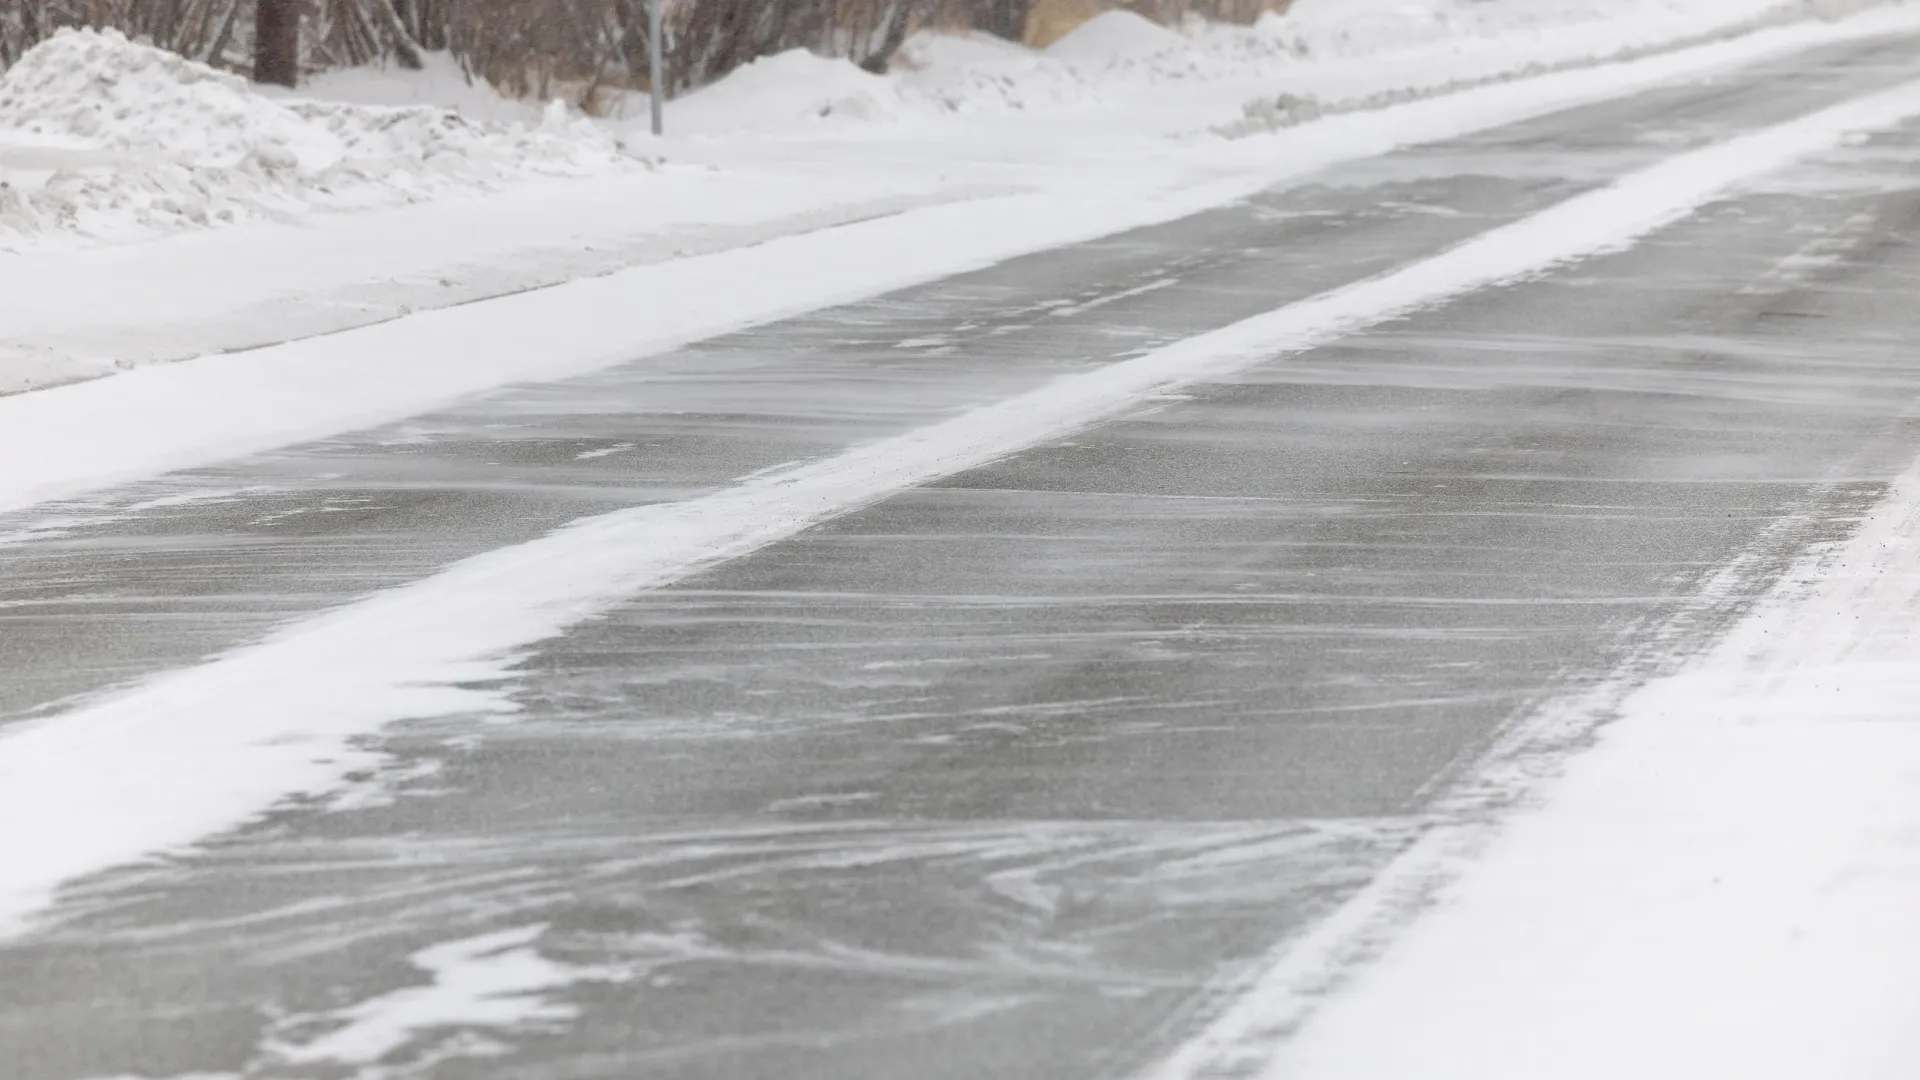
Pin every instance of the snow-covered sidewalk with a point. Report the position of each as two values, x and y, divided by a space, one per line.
232 220
80 312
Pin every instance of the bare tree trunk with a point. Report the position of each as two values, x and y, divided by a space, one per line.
523 45
218 46
405 49
890 37
276 43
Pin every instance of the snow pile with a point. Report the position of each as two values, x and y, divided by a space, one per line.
975 72
440 83
942 73
176 143
775 92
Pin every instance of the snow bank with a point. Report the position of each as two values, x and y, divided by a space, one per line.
978 72
440 83
1310 56
178 144
775 92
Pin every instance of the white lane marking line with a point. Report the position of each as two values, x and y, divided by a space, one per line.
194 752
1071 310
605 451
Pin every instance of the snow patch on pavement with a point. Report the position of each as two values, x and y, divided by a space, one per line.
495 982
190 753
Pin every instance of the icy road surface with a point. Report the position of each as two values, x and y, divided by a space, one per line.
1009 774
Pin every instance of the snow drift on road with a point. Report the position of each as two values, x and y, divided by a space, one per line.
170 143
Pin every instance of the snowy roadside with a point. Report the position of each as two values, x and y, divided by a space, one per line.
1723 886
72 315
224 224
70 440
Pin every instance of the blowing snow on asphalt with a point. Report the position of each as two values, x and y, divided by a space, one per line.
1378 543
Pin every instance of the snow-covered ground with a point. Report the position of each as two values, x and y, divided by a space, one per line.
153 210
240 220
407 652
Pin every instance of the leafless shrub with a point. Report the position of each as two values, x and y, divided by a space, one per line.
208 30
537 47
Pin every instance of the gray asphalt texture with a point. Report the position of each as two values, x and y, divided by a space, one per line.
1003 776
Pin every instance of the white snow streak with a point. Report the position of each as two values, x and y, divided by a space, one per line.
493 982
194 752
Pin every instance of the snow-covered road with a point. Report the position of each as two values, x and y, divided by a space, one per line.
1080 666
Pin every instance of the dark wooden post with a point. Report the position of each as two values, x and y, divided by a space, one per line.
276 42
1006 18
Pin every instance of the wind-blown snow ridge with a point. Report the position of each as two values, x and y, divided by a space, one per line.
497 981
190 753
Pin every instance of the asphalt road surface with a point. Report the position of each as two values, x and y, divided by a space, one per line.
1005 776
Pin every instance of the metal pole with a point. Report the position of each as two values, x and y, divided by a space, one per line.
656 63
